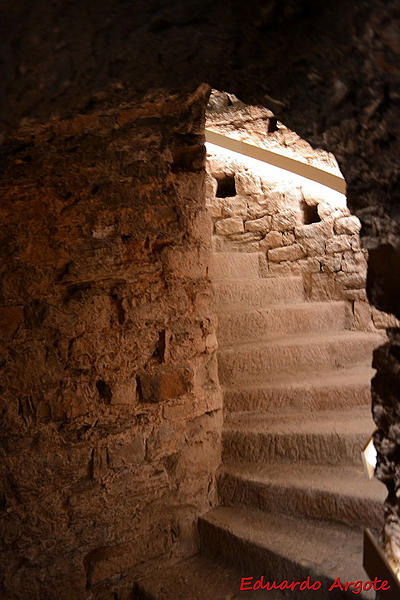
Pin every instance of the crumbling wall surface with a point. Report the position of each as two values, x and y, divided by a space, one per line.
110 406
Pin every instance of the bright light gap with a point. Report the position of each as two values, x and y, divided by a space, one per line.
279 161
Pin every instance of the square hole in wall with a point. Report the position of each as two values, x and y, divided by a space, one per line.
310 214
226 186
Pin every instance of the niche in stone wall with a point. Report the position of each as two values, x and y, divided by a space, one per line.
225 186
310 213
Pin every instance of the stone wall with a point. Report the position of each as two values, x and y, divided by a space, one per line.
303 228
110 405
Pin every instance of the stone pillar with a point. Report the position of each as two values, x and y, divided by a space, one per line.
110 405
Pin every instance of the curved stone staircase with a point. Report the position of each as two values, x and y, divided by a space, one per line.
293 493
296 381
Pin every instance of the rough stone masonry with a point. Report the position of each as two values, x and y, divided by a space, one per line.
110 404
301 227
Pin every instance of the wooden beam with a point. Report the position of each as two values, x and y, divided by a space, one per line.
292 165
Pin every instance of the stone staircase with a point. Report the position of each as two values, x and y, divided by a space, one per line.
296 382
292 490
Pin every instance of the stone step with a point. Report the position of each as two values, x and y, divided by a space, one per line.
254 292
240 265
324 438
324 390
288 319
284 548
281 356
194 578
342 494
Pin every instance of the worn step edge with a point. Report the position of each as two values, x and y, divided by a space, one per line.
354 420
282 548
337 494
311 339
324 437
297 448
282 319
290 354
288 306
239 265
324 390
237 293
194 578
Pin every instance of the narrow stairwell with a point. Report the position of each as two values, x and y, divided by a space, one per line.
297 402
